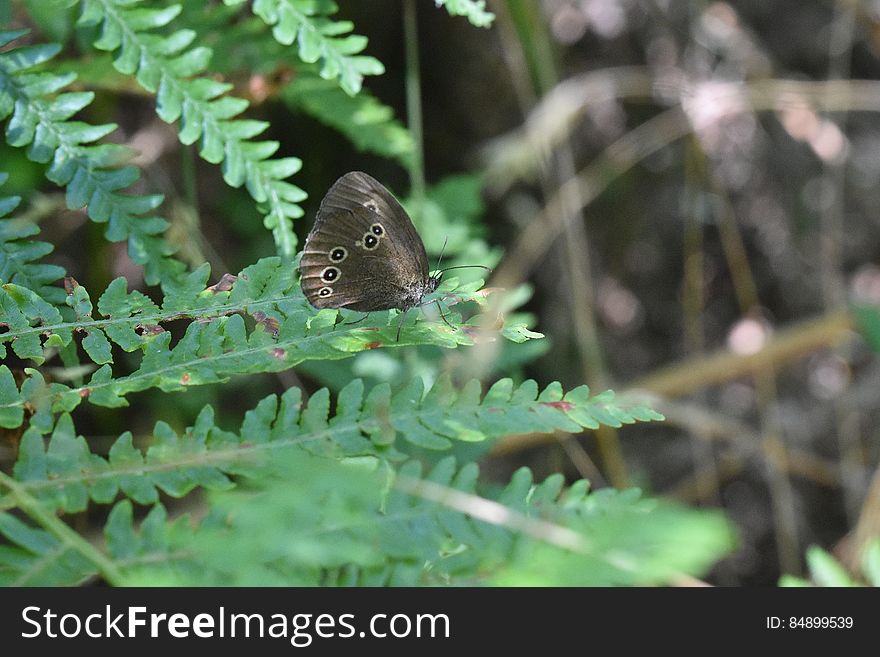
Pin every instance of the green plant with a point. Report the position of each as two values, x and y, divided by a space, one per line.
825 570
354 486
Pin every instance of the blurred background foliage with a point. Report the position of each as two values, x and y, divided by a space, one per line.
685 195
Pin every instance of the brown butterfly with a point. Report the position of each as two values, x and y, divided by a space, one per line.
363 252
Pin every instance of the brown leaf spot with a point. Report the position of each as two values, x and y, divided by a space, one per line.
270 324
224 284
84 392
148 329
561 405
260 87
279 353
372 345
185 378
70 284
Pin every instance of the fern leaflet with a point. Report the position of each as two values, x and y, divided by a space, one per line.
66 474
166 66
341 523
318 39
218 343
91 173
473 10
18 254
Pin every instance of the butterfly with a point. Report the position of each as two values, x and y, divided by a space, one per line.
363 252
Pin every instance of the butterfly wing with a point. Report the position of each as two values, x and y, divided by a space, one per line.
363 252
356 191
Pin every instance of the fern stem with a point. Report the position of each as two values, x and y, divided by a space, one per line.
496 513
55 526
414 102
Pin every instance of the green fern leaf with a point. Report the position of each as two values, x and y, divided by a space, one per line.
39 119
473 10
334 523
379 425
24 312
19 254
305 23
281 332
366 122
362 119
36 558
825 570
338 521
126 544
11 408
167 66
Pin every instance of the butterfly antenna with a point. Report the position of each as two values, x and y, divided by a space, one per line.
440 259
489 269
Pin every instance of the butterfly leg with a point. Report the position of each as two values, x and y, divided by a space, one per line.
400 324
357 321
442 316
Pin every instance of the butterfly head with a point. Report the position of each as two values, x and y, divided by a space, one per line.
433 282
413 295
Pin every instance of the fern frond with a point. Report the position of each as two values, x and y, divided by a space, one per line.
348 533
35 557
473 10
318 39
40 120
19 254
217 343
166 66
353 523
369 124
66 474
543 533
363 119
